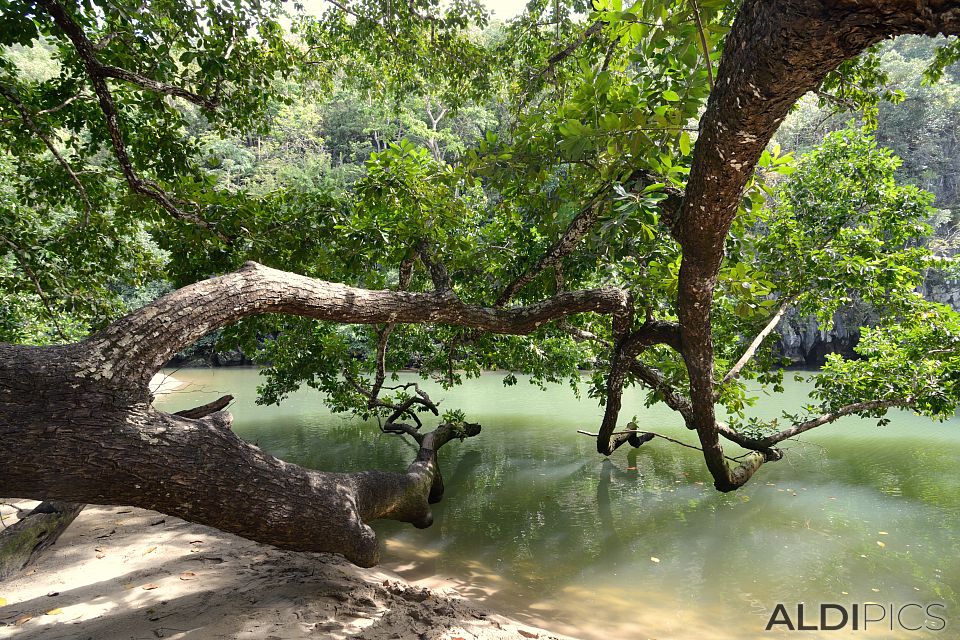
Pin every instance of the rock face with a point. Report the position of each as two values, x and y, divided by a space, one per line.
806 344
946 293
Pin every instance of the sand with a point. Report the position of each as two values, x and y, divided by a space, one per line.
123 573
162 383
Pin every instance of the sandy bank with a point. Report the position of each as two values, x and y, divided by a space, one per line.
120 573
162 383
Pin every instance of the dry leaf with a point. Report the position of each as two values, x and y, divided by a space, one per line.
150 586
527 634
880 544
150 550
3 602
23 619
882 533
654 559
55 612
188 575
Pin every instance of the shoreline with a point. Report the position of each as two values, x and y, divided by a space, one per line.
122 572
162 384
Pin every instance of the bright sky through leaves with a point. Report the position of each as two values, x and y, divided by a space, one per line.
501 9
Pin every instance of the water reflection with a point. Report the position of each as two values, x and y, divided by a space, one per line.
541 527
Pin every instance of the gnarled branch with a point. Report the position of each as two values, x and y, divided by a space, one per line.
182 317
96 74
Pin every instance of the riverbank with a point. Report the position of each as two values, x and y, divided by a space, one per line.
162 384
124 573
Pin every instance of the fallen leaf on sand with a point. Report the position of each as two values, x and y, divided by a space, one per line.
55 612
527 634
23 619
3 602
654 559
149 586
188 575
150 550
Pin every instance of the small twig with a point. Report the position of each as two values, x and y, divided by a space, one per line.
757 341
703 42
656 435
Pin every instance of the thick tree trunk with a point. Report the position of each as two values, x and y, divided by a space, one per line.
777 51
22 542
78 422
78 438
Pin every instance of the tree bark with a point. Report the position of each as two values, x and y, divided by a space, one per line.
78 420
777 51
23 541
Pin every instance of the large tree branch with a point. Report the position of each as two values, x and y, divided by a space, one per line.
777 50
561 248
654 379
771 440
182 317
625 353
581 225
95 72
142 81
128 453
594 29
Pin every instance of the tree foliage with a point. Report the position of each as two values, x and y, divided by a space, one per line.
414 147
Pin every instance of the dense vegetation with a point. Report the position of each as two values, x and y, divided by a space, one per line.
582 187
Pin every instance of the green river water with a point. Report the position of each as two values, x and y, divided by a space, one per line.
536 525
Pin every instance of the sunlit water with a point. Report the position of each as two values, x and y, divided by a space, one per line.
540 527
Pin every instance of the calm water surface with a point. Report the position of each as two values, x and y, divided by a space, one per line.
539 526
